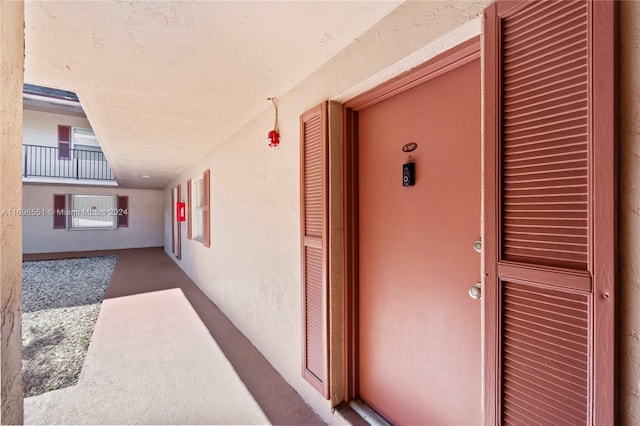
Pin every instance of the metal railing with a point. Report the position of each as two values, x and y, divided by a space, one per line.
49 161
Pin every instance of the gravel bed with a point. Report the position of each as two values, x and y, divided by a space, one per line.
60 303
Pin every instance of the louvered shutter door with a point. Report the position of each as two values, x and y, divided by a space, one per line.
206 210
549 240
64 142
59 216
313 200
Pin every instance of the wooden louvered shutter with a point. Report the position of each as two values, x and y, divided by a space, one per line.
549 212
123 211
59 214
314 209
189 219
206 210
64 142
174 223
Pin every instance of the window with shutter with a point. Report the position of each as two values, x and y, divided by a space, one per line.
59 214
92 211
123 211
313 205
199 210
549 212
64 142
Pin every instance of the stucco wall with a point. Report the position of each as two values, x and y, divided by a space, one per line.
146 221
252 269
11 77
629 213
41 128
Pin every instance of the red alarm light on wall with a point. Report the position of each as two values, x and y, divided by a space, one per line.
273 138
180 211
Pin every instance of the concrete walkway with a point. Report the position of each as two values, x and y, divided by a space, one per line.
163 353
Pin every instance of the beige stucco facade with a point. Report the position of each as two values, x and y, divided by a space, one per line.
11 76
145 228
41 128
252 270
41 159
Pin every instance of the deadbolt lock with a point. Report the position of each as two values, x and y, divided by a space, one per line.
477 245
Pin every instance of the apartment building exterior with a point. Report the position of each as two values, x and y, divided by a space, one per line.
71 198
452 291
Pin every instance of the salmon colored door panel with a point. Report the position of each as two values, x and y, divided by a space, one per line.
419 331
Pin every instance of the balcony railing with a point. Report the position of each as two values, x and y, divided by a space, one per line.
48 161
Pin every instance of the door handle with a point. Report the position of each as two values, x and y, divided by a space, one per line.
477 245
475 291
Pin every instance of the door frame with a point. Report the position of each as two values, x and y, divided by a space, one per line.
454 57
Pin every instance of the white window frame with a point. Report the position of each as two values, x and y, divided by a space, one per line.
85 140
85 137
85 214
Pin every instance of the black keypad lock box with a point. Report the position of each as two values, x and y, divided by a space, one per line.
408 174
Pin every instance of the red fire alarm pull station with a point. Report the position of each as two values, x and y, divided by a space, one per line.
180 211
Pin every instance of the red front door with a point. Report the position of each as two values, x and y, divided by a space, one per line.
419 331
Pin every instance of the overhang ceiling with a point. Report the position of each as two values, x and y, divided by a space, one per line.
163 83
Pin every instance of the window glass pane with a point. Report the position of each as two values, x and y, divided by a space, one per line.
84 137
87 148
79 132
93 211
200 193
198 223
88 153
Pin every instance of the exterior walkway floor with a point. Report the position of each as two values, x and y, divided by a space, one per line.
163 353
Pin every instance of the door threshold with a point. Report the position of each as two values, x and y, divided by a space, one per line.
368 414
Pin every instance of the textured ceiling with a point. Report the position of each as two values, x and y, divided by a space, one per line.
156 76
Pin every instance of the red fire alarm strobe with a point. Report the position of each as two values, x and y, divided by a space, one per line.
273 138
180 211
